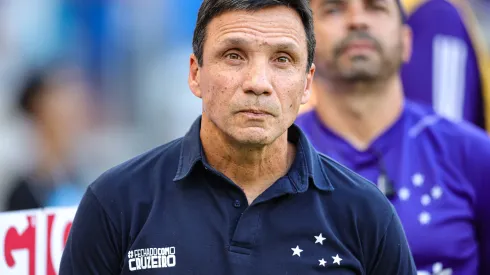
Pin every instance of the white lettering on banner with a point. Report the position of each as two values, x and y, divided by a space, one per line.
151 258
33 241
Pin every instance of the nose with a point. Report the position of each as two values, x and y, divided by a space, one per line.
258 78
356 16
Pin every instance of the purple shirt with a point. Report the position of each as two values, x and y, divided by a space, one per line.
444 71
439 170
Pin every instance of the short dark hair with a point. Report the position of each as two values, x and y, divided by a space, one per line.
30 91
212 8
403 14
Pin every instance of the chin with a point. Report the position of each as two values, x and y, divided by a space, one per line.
360 74
253 136
361 77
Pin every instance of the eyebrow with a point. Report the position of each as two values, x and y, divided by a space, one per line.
234 41
325 2
242 42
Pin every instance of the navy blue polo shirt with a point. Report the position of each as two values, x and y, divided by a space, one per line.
169 212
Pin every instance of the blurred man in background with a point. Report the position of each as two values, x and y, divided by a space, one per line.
450 66
433 170
56 103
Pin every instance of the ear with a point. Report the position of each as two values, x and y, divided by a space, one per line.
194 76
407 40
308 85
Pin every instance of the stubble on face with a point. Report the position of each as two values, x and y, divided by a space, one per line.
253 76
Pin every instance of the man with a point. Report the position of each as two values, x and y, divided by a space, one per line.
56 102
450 66
243 192
433 170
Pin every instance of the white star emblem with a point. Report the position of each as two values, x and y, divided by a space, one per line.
418 179
425 200
322 262
320 239
436 268
404 193
336 259
424 218
297 251
436 192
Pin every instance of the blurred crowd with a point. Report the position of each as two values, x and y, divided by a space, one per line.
85 85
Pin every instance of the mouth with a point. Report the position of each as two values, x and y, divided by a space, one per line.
359 46
255 113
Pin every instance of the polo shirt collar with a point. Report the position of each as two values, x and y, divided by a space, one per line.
306 168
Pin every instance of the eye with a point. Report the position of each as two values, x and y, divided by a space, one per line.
378 5
284 59
234 56
332 10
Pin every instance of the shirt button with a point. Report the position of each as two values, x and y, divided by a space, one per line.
237 204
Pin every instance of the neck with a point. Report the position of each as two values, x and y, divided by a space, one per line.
253 168
359 112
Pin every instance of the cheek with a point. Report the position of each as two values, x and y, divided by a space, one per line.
217 91
291 96
389 39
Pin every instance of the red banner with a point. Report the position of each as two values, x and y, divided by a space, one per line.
33 241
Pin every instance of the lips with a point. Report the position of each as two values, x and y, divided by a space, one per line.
255 112
359 45
259 112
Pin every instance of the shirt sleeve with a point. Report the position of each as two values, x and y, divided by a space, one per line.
93 246
393 255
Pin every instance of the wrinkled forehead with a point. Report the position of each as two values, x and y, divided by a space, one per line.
275 18
279 27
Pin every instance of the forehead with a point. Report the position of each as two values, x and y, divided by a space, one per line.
268 26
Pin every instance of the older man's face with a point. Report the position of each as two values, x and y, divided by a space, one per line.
253 78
